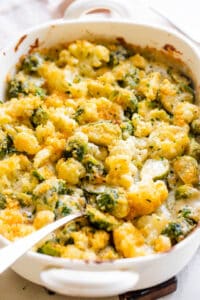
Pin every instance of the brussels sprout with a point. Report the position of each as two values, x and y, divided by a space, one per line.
101 220
195 126
155 169
31 63
18 87
130 80
39 117
76 147
50 248
63 189
113 201
3 201
15 88
127 129
107 200
194 149
6 146
185 192
118 55
187 214
94 169
174 231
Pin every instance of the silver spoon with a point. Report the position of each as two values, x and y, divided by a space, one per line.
10 253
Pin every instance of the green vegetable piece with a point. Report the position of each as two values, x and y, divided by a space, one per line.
101 220
131 107
107 200
75 148
50 248
130 80
94 168
3 202
15 88
31 63
39 117
174 232
62 209
195 126
127 129
37 175
187 214
6 146
63 189
155 169
186 192
118 55
78 113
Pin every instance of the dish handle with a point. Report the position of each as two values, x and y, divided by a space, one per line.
93 8
88 283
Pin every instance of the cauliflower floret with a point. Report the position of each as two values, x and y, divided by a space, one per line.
23 107
108 110
168 141
70 170
43 218
42 157
99 240
80 239
152 225
44 131
121 171
162 243
63 122
185 113
55 77
93 54
168 95
128 240
139 61
146 196
26 142
65 58
86 112
149 85
141 128
71 251
102 133
10 166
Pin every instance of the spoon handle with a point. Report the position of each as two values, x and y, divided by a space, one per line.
10 253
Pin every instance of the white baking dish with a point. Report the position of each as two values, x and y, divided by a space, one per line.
92 279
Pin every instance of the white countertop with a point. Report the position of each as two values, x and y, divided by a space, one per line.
13 287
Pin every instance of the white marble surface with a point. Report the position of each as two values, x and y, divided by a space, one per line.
13 287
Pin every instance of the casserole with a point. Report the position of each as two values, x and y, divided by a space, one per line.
120 275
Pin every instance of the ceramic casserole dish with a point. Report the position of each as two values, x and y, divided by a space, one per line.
90 278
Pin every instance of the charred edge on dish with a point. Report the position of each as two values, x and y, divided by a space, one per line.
171 48
98 261
19 42
34 45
